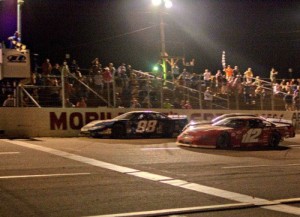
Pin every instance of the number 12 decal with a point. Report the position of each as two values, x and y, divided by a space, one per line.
251 135
145 126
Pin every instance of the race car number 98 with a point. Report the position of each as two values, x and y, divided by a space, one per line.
146 126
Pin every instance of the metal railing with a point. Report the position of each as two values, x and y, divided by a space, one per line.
150 90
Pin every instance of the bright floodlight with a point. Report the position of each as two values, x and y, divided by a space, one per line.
168 3
156 2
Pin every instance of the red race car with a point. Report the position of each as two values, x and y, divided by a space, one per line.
238 131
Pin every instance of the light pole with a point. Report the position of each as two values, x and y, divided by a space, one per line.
163 54
19 14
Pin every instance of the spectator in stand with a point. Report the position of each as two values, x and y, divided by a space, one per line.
14 40
277 89
207 78
248 75
107 76
273 75
185 76
122 74
46 68
56 70
208 98
167 104
112 70
175 70
219 79
228 72
187 105
237 84
69 104
288 101
65 69
74 67
296 101
81 103
236 71
95 69
9 102
135 103
98 82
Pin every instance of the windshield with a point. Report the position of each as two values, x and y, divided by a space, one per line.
125 116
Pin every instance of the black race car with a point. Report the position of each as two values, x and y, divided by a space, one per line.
137 124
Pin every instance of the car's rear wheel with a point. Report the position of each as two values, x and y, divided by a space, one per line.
274 140
118 131
223 141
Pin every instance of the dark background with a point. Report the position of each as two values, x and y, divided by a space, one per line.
257 34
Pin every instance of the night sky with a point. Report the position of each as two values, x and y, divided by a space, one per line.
259 34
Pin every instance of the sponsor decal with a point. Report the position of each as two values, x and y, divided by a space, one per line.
16 58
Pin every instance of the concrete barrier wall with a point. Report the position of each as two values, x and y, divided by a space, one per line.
59 122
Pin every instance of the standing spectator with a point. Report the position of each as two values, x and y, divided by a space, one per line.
296 100
56 70
98 82
9 102
248 75
167 104
236 71
74 67
81 103
273 75
207 78
187 105
46 67
16 38
135 103
288 101
68 103
208 98
228 72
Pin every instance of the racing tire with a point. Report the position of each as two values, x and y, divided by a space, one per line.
274 140
118 132
223 141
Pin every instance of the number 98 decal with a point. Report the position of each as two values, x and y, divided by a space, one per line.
145 126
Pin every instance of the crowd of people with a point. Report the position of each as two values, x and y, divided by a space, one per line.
124 87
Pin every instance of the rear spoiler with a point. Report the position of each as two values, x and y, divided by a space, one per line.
279 120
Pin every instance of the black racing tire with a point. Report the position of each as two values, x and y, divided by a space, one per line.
118 131
223 141
274 140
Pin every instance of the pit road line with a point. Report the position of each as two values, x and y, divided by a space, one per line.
270 205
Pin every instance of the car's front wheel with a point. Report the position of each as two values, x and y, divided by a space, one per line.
118 131
223 141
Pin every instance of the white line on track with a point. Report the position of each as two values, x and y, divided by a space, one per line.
242 198
3 153
43 175
154 149
256 166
